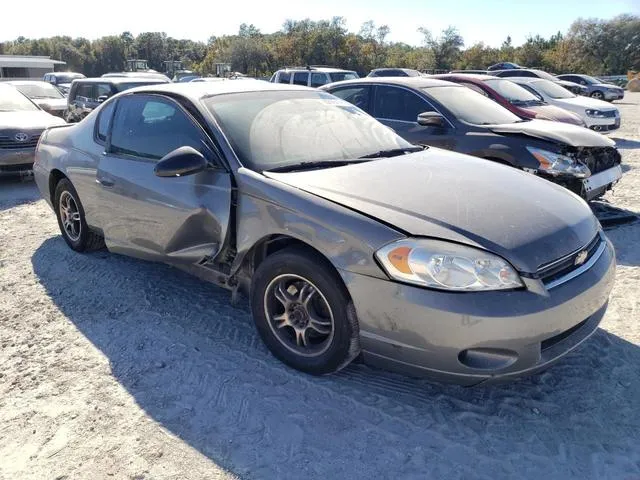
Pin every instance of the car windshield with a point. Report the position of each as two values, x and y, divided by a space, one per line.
275 129
68 78
11 100
471 107
39 90
551 89
512 91
340 76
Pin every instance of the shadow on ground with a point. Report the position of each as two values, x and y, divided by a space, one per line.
15 191
197 366
626 144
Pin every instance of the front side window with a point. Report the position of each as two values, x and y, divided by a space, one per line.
340 76
84 92
11 100
359 96
394 103
151 126
102 90
301 78
467 106
274 129
318 79
104 121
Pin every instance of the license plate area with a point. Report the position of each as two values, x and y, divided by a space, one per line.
601 179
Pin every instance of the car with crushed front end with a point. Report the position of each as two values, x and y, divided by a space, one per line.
427 111
21 124
349 241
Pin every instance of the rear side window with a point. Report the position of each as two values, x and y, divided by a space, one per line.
104 119
284 77
151 127
301 78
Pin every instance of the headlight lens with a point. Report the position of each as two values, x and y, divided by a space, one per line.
447 266
557 164
594 113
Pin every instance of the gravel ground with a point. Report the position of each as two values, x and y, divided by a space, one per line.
112 368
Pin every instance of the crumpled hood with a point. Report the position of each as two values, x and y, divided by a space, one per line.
446 195
34 120
556 132
607 85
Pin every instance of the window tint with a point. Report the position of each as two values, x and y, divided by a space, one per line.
394 103
84 91
102 89
151 127
284 77
103 122
301 78
359 96
318 79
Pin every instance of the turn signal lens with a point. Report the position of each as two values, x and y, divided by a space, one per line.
399 258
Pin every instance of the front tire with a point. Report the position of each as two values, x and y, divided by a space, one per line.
71 219
598 95
303 312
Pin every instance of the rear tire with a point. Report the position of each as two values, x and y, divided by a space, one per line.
303 312
71 219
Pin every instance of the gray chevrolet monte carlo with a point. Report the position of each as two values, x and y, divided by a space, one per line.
349 241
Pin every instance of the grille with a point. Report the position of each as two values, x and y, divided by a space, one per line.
566 265
597 159
8 142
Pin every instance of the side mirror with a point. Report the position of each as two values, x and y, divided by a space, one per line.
102 98
180 162
431 119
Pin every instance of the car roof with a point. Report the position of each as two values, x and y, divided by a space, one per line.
311 68
118 80
197 90
474 77
412 82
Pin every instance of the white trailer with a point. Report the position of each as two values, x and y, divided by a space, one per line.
26 67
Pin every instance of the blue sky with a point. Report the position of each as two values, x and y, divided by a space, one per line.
489 21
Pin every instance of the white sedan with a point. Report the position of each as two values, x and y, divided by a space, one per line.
598 115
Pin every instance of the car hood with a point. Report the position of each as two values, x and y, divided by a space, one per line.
52 103
555 113
584 102
606 85
556 132
34 120
440 194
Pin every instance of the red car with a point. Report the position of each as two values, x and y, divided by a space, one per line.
513 97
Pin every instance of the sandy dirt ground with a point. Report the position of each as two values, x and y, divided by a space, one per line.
112 368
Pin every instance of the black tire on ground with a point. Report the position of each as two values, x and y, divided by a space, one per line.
340 348
87 240
597 94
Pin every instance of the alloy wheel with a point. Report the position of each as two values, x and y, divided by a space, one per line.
597 95
70 216
299 315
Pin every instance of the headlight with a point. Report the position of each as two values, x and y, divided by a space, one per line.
447 266
557 164
594 113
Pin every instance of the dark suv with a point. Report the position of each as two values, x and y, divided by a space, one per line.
87 93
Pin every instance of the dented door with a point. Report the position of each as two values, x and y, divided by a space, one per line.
176 220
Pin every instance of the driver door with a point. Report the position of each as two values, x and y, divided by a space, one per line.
398 108
174 220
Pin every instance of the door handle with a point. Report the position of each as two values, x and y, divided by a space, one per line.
105 182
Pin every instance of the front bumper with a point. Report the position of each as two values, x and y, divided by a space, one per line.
611 96
16 161
599 183
469 338
602 124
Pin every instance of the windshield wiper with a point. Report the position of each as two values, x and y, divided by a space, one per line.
393 152
313 165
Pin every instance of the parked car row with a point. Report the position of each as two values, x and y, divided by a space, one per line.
351 237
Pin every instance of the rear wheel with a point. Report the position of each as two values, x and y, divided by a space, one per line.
303 312
71 220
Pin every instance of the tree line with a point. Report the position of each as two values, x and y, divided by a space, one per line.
593 46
